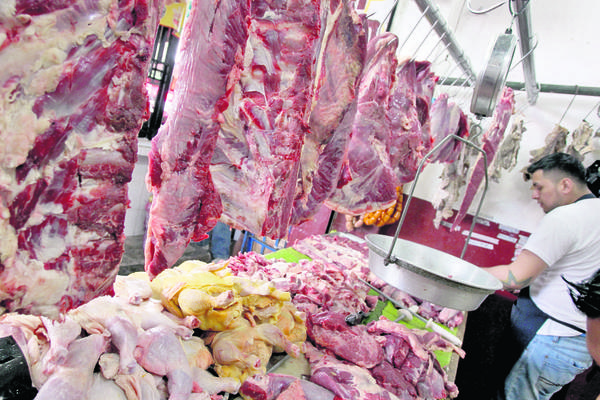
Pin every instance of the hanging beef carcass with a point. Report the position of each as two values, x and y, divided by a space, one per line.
185 205
333 106
257 159
409 115
72 100
371 178
490 143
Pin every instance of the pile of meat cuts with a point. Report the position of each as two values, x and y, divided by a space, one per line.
282 107
204 331
72 100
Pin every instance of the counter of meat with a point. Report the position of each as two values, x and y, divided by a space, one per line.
204 331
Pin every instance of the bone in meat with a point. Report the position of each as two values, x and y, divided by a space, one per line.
491 140
509 150
332 108
372 180
256 162
581 140
73 98
555 142
185 204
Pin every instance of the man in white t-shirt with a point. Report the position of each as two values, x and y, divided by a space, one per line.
566 243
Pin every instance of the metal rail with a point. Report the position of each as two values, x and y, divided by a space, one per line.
439 24
543 87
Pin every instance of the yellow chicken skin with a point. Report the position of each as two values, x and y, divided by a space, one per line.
218 299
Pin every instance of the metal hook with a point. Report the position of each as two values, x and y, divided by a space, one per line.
592 110
487 10
569 106
389 14
448 75
423 41
526 54
413 29
435 47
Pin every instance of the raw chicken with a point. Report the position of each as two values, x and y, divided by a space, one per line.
212 384
73 379
245 351
160 352
103 389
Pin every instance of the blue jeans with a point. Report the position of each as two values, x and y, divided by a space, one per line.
547 364
220 241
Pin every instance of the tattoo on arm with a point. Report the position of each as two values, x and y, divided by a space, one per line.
512 282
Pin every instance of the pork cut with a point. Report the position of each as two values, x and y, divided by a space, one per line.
73 98
272 386
346 380
185 204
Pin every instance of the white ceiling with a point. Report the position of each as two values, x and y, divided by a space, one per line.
567 36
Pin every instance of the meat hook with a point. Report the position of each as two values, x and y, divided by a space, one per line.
424 39
413 29
597 108
569 106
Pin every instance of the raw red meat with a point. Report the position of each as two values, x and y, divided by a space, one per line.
333 106
491 141
372 184
352 343
409 104
345 380
73 97
256 162
185 205
271 386
447 119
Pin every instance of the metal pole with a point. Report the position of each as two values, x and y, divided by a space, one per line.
542 87
434 16
524 27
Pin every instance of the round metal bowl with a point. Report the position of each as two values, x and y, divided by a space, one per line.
430 274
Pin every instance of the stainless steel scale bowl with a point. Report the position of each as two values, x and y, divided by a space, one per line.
430 274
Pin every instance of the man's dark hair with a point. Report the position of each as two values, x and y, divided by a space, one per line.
560 162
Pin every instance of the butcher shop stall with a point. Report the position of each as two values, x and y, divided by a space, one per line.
360 163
